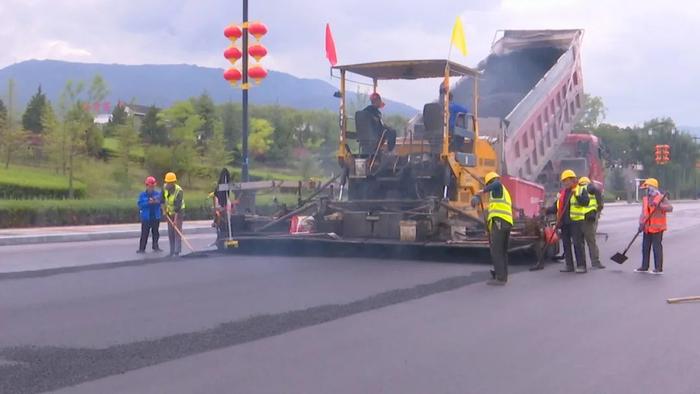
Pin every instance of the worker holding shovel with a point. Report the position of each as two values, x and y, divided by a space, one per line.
174 206
653 223
570 208
499 222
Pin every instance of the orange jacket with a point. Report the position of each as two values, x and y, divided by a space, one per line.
657 222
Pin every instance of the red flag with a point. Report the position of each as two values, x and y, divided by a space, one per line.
330 47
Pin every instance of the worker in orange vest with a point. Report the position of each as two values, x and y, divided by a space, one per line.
653 222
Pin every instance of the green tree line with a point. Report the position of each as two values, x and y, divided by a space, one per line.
634 147
194 137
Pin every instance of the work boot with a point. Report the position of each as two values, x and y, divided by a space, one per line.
581 270
537 267
567 269
496 282
598 265
140 251
157 249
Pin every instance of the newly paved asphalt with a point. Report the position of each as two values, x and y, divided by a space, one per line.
313 325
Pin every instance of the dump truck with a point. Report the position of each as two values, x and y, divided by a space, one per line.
530 97
414 198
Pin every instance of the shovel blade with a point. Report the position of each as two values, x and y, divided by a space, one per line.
619 258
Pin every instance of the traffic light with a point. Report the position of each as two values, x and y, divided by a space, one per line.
662 154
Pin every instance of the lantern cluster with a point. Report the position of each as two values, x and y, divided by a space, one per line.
663 154
256 51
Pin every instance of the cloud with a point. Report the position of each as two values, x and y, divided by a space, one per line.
637 55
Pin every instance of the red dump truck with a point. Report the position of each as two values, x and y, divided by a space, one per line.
530 96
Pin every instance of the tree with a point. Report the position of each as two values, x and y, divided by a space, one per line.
31 120
128 140
52 136
182 123
77 124
12 137
151 130
594 113
260 139
119 118
207 111
3 114
231 117
217 155
98 90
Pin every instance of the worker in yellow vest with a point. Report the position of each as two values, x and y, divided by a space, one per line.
174 208
499 222
570 207
590 221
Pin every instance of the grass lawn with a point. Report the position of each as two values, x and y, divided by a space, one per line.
41 177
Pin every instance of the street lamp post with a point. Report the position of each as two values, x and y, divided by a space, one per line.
244 104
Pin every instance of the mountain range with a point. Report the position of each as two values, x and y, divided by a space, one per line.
163 84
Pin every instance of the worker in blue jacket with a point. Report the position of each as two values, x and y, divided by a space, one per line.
149 210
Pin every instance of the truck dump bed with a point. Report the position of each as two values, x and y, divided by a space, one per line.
532 81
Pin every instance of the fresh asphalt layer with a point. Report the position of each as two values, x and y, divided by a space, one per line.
313 325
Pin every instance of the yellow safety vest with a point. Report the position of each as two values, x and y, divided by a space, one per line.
576 211
170 199
592 205
500 207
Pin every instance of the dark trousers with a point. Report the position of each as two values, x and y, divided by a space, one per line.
149 226
654 240
572 233
173 236
500 234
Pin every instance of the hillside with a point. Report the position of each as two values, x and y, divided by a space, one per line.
163 84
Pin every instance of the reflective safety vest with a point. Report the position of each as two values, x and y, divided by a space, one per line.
170 199
500 207
657 223
592 204
576 211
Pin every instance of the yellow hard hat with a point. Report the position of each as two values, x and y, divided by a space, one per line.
650 182
491 176
584 180
170 177
568 174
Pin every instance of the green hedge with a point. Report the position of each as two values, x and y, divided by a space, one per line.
38 213
26 183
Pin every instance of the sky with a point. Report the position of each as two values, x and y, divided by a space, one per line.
638 55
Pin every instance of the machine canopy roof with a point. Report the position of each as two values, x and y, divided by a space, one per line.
408 69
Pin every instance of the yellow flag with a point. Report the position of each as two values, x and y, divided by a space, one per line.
458 39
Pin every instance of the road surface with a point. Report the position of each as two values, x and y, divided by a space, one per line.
314 325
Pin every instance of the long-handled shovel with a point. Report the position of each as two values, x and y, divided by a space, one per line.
621 257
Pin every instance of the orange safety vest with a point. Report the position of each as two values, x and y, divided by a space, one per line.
657 223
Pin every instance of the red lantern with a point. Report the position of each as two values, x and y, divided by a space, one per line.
257 51
232 54
257 29
233 76
233 33
257 73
